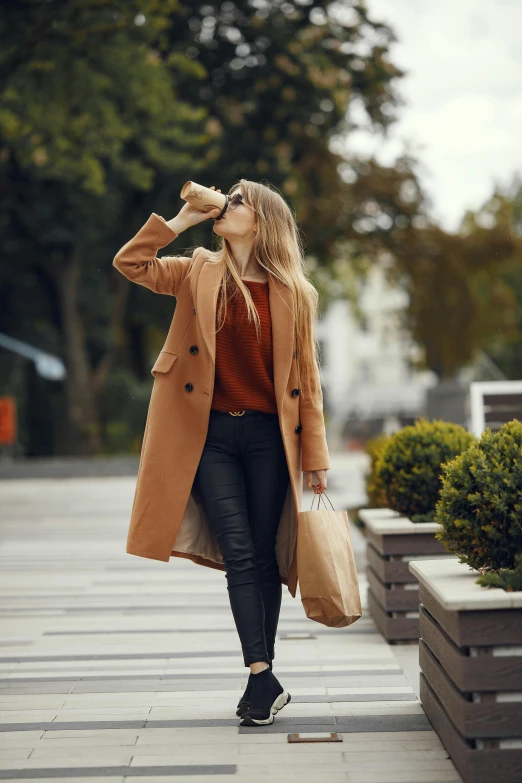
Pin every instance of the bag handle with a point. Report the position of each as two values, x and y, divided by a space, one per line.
319 496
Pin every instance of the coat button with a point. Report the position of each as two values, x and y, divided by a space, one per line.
188 387
298 429
295 392
194 349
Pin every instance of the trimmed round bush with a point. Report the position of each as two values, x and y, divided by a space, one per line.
480 505
409 466
374 489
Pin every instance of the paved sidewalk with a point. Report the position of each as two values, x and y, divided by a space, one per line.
114 667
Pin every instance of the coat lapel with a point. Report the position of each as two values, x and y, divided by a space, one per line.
280 300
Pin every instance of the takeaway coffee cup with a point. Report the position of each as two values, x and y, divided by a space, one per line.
203 198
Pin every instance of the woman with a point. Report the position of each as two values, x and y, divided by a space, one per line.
246 464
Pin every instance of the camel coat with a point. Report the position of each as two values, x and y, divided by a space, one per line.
167 517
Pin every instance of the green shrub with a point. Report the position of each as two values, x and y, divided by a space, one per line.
374 488
509 579
480 507
409 466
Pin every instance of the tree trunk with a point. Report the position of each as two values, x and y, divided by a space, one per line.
82 424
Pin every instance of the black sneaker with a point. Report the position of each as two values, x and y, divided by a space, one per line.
244 701
267 697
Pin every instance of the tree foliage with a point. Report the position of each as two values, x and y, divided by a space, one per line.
480 505
464 287
504 346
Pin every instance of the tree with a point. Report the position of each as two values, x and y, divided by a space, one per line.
460 294
88 116
458 299
506 205
280 81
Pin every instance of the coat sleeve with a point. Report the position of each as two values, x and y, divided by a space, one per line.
314 447
138 262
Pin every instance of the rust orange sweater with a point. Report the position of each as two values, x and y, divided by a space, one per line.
244 376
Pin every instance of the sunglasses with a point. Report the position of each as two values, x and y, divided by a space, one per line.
235 201
231 203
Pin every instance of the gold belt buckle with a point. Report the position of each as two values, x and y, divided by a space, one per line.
237 413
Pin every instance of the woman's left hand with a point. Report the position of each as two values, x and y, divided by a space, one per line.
320 487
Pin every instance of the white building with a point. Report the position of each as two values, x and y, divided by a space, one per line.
366 369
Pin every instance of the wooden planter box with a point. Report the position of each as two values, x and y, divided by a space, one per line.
365 514
470 655
393 592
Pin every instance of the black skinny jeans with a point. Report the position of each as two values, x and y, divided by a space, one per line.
242 479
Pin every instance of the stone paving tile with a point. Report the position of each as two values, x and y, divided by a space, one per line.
103 754
117 668
14 753
111 770
16 736
104 779
251 777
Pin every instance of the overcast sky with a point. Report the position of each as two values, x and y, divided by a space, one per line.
463 95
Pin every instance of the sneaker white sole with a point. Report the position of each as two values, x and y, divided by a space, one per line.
278 704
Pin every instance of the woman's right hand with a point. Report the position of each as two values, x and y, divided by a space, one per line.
190 216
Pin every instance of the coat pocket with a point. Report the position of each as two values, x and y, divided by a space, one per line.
164 362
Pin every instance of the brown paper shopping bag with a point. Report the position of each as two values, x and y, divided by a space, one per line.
326 566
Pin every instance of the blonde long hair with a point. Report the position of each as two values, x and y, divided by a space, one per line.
279 251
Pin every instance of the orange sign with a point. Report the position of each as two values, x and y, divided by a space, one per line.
7 420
